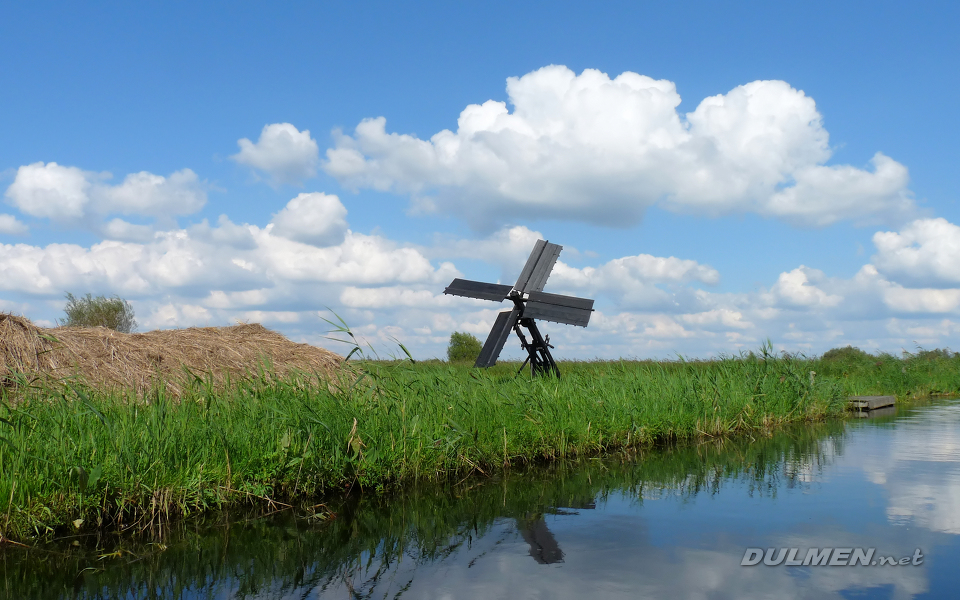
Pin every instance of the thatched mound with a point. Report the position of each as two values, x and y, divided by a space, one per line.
107 359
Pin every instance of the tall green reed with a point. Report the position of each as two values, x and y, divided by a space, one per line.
422 523
73 458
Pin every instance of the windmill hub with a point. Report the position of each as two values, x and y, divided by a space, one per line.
529 303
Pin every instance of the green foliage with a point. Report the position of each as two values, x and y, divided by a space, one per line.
88 311
841 362
463 347
935 354
373 536
848 355
72 453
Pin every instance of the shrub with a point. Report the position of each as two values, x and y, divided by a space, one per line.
849 360
463 347
847 356
114 313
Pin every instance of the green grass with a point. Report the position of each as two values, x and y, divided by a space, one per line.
373 534
73 458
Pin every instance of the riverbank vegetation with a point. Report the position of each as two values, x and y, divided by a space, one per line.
378 541
73 458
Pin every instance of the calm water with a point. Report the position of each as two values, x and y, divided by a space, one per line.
672 523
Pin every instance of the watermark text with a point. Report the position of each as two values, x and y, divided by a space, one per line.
826 557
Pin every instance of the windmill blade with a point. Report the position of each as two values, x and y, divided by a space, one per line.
561 300
559 309
478 289
497 338
557 314
528 267
544 267
539 265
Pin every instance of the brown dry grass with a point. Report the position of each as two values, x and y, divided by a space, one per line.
110 360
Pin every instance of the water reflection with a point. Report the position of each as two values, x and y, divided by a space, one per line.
543 545
918 465
671 522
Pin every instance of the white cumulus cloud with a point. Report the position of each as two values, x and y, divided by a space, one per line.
70 195
154 195
124 231
215 274
173 261
590 148
637 282
393 296
283 152
507 248
823 195
50 191
642 267
10 225
799 288
315 218
926 252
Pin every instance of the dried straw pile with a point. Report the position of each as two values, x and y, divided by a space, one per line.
107 359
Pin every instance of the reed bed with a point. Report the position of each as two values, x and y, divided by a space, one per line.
74 458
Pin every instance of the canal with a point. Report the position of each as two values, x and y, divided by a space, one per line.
682 521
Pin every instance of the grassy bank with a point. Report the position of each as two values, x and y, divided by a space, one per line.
76 459
375 536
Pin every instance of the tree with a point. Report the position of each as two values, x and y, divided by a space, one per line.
463 347
115 313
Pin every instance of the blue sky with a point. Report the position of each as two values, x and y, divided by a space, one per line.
701 227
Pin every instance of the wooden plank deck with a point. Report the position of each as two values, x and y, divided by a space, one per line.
870 402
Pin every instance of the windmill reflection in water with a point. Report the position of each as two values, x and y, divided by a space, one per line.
543 545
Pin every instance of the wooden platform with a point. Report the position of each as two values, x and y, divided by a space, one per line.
870 402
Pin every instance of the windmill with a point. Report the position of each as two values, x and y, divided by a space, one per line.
529 303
